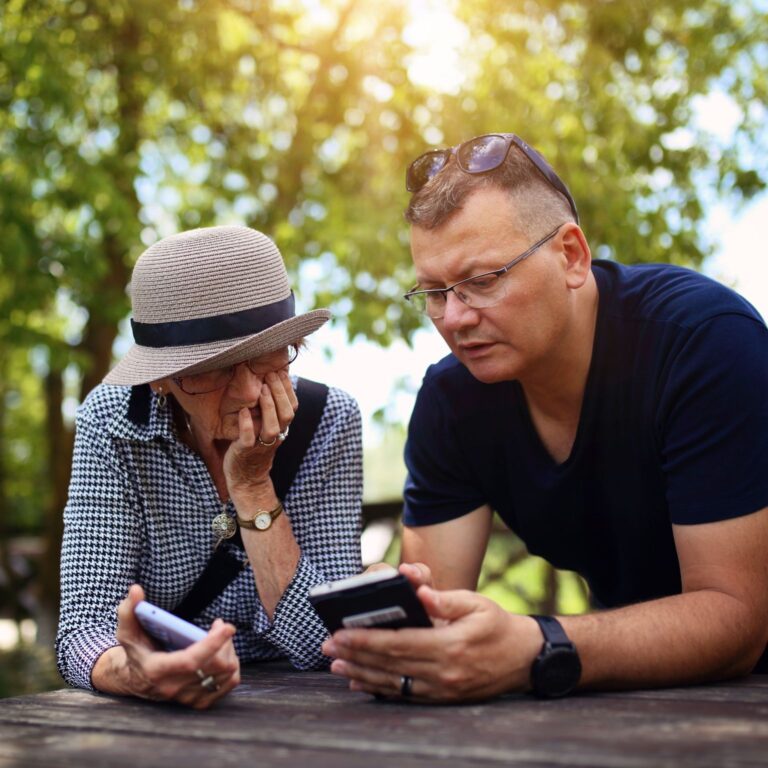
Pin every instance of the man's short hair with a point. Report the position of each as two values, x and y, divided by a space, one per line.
538 206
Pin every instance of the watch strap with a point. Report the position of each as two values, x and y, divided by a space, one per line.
556 671
250 522
553 631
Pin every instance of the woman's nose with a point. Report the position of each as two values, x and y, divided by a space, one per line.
245 383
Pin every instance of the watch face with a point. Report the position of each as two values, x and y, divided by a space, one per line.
262 521
556 672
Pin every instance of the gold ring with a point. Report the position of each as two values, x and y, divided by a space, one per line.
266 445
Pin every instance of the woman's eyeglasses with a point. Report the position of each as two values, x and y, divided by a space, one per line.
210 381
481 155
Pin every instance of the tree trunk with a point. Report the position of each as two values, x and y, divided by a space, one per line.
10 591
59 439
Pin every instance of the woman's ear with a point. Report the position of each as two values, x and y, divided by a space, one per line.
577 256
160 387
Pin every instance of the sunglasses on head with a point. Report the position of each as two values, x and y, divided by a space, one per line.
481 155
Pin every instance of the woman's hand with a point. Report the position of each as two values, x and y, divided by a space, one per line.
248 459
137 668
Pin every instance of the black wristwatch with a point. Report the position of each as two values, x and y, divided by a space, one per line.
557 669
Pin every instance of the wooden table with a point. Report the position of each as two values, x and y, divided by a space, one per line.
278 717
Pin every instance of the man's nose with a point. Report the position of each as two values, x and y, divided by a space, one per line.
458 315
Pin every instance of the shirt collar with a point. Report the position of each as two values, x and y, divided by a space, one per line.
139 417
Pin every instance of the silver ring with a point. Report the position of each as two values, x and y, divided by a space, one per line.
282 435
266 445
406 683
207 681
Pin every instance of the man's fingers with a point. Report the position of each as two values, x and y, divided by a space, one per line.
374 645
450 605
379 567
387 676
378 681
417 573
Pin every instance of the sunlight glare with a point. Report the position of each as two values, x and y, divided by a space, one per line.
439 41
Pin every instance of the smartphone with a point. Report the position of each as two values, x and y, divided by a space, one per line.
169 630
377 599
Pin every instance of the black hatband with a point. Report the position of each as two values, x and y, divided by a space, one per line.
202 330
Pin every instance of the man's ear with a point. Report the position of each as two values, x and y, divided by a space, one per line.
578 258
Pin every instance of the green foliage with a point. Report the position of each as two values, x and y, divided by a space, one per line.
28 668
383 466
517 581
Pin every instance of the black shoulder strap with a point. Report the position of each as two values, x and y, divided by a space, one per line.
224 565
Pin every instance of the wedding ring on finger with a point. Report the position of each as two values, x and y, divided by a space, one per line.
406 685
266 445
282 435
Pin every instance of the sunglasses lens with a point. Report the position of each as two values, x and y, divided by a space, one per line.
483 153
423 168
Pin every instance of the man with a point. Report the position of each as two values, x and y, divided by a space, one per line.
615 417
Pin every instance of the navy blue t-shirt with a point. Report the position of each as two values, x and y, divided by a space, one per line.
673 429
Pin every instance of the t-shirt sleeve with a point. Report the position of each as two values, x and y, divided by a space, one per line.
439 485
714 426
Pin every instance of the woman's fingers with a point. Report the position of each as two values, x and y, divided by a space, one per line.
247 434
129 631
285 379
270 423
195 676
278 405
283 397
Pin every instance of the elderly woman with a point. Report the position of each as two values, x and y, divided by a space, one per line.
183 480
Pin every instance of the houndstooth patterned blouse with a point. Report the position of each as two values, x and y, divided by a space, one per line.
140 508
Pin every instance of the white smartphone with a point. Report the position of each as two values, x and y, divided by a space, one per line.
378 599
169 630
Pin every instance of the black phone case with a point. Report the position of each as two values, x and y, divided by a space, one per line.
389 604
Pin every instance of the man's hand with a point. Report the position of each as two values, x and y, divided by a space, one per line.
417 573
477 651
137 668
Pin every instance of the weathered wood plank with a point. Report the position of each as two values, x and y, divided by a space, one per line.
284 717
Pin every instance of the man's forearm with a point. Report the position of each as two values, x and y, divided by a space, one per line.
694 637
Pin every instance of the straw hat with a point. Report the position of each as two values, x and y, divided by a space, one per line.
208 298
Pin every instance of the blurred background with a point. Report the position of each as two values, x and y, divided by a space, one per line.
123 121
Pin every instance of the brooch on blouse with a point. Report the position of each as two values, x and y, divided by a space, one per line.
223 526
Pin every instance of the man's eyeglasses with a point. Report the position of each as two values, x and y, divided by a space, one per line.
210 381
479 291
481 155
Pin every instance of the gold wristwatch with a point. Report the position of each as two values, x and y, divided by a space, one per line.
262 520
